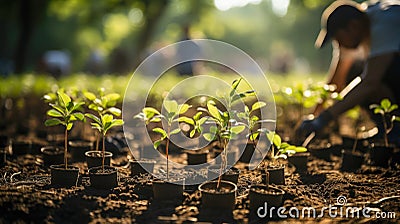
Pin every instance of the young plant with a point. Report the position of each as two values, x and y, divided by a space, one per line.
64 112
173 112
385 109
103 124
102 104
280 150
226 127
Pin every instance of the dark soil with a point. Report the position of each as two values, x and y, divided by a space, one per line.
26 194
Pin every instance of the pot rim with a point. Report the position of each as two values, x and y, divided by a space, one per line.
62 167
107 153
90 170
278 190
58 149
200 187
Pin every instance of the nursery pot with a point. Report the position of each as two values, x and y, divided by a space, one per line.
247 153
106 179
78 148
141 166
351 161
21 147
299 160
322 152
168 191
52 155
218 198
261 194
231 175
61 177
277 175
380 155
95 158
196 157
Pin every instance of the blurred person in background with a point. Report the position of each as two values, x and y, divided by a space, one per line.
376 29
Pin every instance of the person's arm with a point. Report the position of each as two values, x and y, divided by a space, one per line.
338 70
371 83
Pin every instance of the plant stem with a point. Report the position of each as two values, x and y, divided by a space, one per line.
97 140
66 148
385 131
104 152
166 150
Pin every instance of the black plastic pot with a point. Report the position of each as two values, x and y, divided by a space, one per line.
212 198
168 191
247 153
21 147
103 180
277 175
299 160
52 155
231 175
321 152
94 158
351 161
141 166
196 157
261 194
78 148
380 155
61 177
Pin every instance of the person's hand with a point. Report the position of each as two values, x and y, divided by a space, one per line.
313 125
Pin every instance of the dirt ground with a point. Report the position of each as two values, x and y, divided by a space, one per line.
26 196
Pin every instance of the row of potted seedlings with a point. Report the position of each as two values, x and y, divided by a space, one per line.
220 193
376 150
65 111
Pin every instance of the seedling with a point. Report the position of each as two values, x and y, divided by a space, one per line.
173 110
385 108
103 124
226 127
281 150
64 112
103 104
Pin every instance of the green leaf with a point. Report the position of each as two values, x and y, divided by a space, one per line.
171 106
107 118
208 136
175 131
192 133
183 108
94 118
69 126
160 131
157 143
213 129
373 106
150 111
258 105
275 139
196 117
155 119
115 111
186 120
65 99
202 120
379 111
53 122
77 106
385 104
90 96
54 113
237 129
254 136
300 149
234 86
112 97
80 116
392 108
213 110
